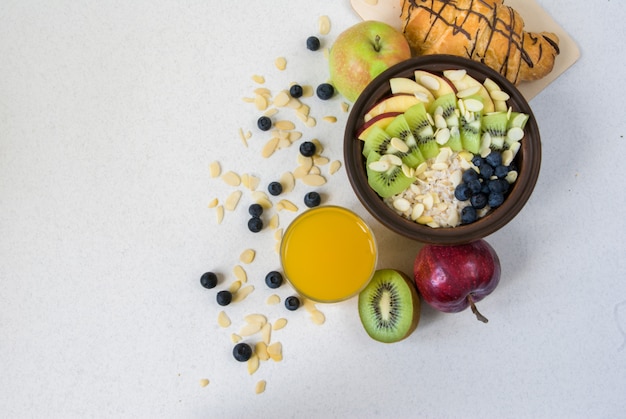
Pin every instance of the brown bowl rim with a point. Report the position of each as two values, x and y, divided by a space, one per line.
528 158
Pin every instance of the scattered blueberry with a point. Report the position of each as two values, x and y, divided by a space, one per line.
208 280
274 279
312 199
295 91
292 303
469 175
474 185
494 158
462 192
468 215
495 199
313 43
501 171
479 200
264 123
275 188
486 171
498 185
255 224
325 91
477 160
307 149
224 297
242 352
255 210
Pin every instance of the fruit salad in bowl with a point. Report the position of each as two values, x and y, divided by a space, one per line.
442 149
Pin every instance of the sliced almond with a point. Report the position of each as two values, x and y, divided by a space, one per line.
281 99
260 387
275 351
260 349
334 167
318 317
499 95
231 178
288 182
240 274
273 222
234 286
345 107
247 256
320 160
330 119
255 318
279 323
260 102
213 203
258 79
232 200
269 147
288 205
266 333
280 63
219 214
278 234
242 293
272 300
215 169
323 23
284 125
310 122
253 364
472 90
314 180
235 338
223 320
204 382
250 329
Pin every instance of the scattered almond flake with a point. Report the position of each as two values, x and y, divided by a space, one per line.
204 382
277 248
320 160
335 165
323 24
247 256
235 338
310 122
260 349
213 203
294 136
248 99
272 300
250 329
231 178
288 205
302 117
243 137
284 125
279 323
260 102
219 214
258 79
215 169
273 222
304 111
260 387
304 161
234 287
278 234
270 112
345 107
240 274
243 293
263 91
330 119
309 305
314 180
315 171
294 103
266 333
280 63
318 317
283 143
223 320
288 181
269 147
255 318
281 99
275 351
232 200
319 149
253 364
301 171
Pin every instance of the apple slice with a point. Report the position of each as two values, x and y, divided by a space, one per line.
395 103
406 85
437 85
499 103
463 81
381 121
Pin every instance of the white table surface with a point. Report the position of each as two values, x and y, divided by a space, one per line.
110 113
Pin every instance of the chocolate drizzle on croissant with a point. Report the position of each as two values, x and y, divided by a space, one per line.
482 30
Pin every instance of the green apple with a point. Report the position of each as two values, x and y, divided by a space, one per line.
362 52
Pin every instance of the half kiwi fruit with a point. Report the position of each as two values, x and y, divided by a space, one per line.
389 306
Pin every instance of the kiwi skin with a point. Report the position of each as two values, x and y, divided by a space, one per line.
409 290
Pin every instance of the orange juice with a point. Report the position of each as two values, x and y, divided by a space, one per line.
328 254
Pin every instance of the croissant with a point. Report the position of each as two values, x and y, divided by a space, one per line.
482 30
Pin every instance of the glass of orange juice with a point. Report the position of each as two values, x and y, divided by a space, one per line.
328 254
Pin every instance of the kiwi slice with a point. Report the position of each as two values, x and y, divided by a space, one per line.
399 127
446 107
470 129
419 123
388 182
389 306
377 140
494 125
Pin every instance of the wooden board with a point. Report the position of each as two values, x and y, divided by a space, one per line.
535 19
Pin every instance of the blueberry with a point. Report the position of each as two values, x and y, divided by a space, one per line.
242 352
255 224
255 210
486 171
275 188
462 192
495 199
469 175
264 123
325 91
498 186
475 186
479 200
295 91
208 280
312 199
292 303
485 188
224 297
274 279
494 159
501 171
313 43
477 160
468 215
307 149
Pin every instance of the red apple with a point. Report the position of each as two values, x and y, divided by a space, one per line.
452 278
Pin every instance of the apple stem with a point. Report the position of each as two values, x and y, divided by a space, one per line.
475 310
377 43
